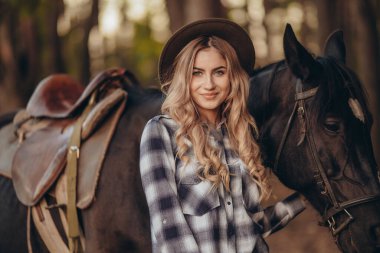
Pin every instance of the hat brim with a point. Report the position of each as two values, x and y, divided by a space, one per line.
225 29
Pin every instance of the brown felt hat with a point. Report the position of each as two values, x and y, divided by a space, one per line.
225 29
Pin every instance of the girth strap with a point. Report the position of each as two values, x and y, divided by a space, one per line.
44 222
71 172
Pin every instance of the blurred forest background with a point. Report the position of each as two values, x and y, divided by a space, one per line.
83 37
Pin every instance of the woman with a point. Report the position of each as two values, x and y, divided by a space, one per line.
200 164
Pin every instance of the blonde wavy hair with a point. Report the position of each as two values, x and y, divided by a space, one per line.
240 124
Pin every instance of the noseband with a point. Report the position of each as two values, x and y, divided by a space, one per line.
320 176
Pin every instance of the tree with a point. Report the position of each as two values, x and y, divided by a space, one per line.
183 12
56 61
88 24
19 57
8 71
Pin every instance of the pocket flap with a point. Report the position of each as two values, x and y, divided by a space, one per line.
197 196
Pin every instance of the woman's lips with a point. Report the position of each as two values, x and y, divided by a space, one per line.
209 95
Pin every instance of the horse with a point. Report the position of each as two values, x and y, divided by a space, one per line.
118 218
315 134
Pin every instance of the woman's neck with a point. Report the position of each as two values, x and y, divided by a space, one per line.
211 119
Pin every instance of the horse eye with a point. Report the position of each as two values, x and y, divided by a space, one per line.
332 125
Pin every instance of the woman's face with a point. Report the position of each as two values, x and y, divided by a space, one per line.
210 84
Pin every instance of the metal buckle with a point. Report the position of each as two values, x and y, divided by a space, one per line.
74 149
332 223
301 111
324 191
321 185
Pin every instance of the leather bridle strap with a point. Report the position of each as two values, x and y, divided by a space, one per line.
337 207
300 96
283 139
320 174
327 189
334 210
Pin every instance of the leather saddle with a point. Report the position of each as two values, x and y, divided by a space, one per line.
42 131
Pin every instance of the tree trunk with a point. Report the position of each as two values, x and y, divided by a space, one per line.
29 57
9 99
186 11
88 25
176 13
328 19
56 62
198 9
368 64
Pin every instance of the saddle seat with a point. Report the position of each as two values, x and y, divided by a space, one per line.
55 97
45 127
59 95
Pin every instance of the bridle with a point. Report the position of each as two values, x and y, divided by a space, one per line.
337 207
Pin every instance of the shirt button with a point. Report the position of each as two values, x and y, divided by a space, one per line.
229 203
164 221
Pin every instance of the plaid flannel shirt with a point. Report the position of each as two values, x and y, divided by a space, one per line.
187 215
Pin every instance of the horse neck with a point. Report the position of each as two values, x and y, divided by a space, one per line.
271 92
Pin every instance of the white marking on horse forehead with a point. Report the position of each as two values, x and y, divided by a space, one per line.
356 109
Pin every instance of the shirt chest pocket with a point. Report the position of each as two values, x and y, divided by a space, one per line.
197 196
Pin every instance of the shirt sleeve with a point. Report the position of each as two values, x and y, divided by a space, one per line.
273 218
157 167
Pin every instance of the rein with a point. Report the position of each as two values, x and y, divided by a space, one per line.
319 173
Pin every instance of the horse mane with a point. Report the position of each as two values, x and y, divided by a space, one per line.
267 67
337 86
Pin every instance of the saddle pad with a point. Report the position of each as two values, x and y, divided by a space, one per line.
8 147
41 158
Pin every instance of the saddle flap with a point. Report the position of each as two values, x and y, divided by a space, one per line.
38 163
93 152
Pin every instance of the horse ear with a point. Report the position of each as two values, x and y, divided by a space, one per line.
335 47
300 61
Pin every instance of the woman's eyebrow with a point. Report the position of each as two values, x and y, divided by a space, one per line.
217 68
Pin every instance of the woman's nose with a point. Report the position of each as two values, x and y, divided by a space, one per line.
209 82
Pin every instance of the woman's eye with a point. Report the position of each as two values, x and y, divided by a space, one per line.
332 125
219 73
197 73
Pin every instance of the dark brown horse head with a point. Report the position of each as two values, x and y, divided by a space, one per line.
315 133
